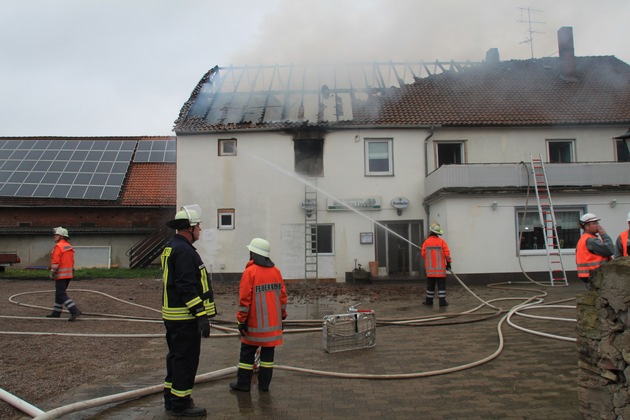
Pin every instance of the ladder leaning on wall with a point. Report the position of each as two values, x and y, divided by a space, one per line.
311 266
557 274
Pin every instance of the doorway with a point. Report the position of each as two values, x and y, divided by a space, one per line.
397 257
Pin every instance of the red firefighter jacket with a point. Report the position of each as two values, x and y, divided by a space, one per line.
62 260
262 305
436 254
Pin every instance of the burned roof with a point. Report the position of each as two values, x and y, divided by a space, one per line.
532 92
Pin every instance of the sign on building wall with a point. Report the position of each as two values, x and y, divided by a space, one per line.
355 203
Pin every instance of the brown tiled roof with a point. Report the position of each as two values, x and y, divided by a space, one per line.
150 184
510 93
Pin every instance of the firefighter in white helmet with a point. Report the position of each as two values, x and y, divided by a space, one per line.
262 308
187 305
62 271
622 245
592 251
437 259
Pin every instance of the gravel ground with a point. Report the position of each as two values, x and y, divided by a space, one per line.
47 370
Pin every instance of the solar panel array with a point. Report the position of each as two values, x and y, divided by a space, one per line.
156 151
79 169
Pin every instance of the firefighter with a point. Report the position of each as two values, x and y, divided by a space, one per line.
187 305
437 259
622 244
62 271
592 251
262 307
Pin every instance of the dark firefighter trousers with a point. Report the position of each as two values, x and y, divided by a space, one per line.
441 284
182 360
265 370
62 298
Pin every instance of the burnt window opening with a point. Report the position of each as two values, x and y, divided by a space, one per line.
309 156
623 154
450 153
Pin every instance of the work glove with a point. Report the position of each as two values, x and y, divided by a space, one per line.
283 318
51 275
448 266
203 323
242 328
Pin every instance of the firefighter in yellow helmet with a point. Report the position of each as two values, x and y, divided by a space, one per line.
62 271
187 305
437 259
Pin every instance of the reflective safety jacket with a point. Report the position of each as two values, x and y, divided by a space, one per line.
262 305
62 263
586 260
187 289
436 254
622 244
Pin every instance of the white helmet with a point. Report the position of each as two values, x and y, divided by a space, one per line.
435 228
61 232
588 217
259 246
186 217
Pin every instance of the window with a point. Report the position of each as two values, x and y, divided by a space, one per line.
623 154
322 239
309 156
560 151
227 147
225 219
532 234
449 153
378 157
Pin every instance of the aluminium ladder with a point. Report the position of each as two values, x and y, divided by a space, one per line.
557 274
310 231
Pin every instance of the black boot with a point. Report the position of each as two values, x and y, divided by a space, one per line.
428 302
264 378
191 411
75 315
443 302
53 314
243 380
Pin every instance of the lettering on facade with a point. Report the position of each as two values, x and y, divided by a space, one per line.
358 203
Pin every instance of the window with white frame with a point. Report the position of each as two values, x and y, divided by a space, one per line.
227 147
379 157
323 239
449 152
532 233
623 152
226 219
561 151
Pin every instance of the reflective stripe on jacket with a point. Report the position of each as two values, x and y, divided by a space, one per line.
187 290
262 305
436 254
62 260
585 260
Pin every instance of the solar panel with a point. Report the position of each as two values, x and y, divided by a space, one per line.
79 169
156 151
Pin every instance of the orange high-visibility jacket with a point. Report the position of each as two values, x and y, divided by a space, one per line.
62 260
587 261
436 254
624 243
262 305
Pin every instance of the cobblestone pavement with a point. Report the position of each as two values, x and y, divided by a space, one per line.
533 377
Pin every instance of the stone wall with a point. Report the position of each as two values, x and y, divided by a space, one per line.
603 343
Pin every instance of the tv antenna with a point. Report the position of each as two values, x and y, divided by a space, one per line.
529 21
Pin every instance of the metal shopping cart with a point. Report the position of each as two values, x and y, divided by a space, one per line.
351 331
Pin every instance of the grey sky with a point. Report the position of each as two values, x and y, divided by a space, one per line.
125 67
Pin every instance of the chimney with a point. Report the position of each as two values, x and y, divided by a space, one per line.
492 55
567 56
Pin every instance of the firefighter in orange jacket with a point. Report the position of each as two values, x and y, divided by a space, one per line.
622 245
592 251
262 308
62 271
437 259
